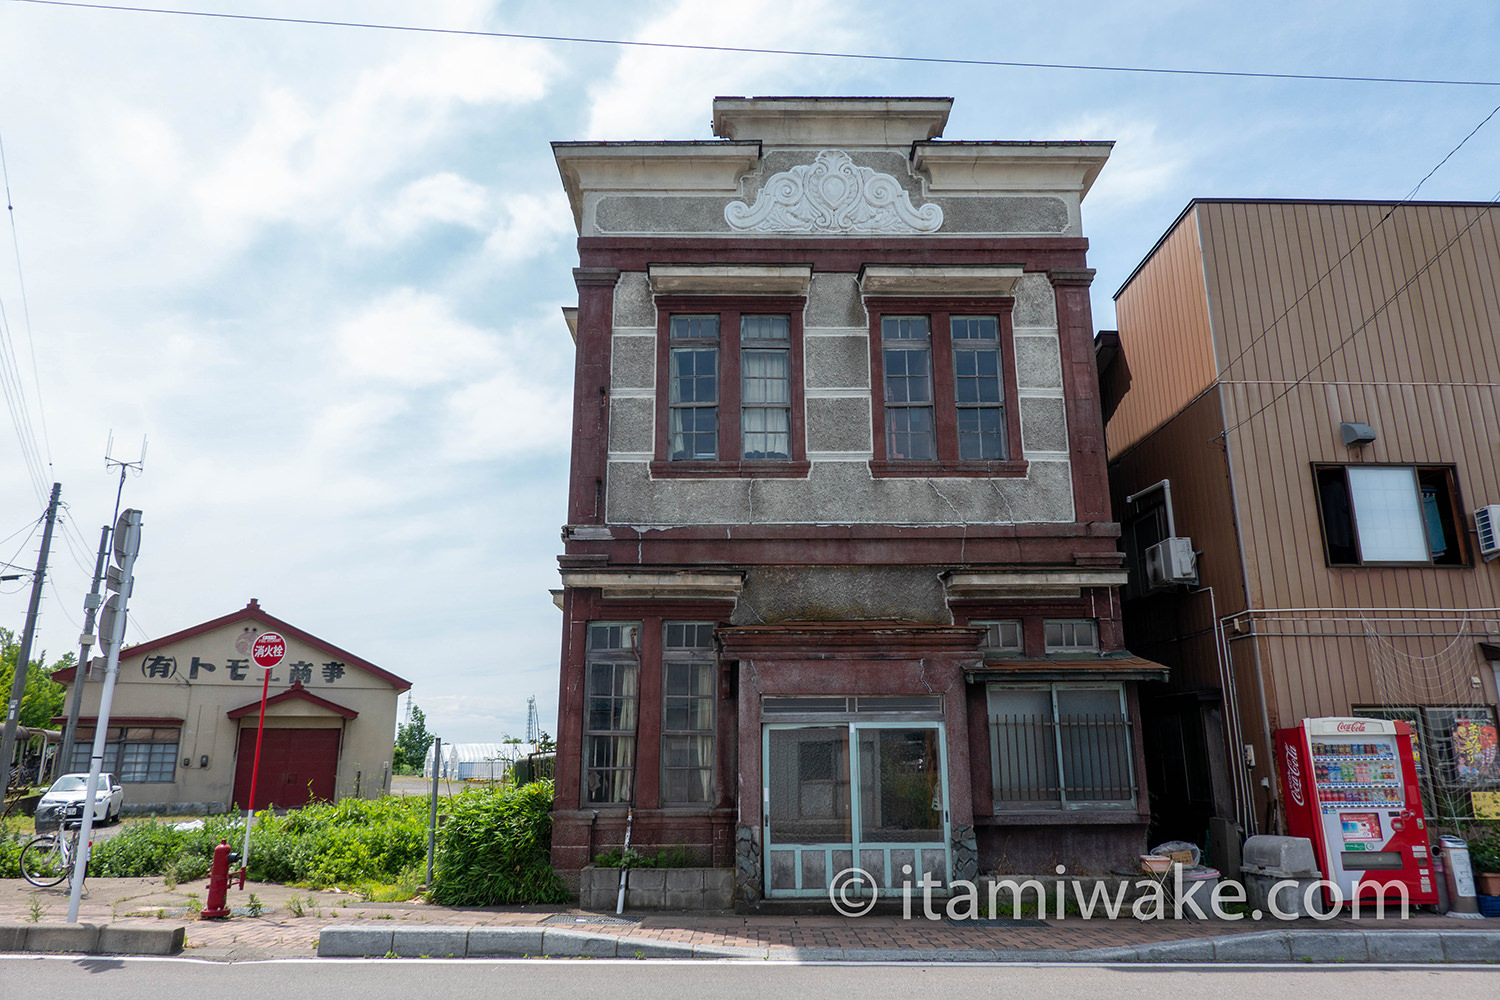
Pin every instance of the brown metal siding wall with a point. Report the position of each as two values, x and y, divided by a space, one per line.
1424 372
1165 337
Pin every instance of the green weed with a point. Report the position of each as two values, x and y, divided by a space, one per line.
496 849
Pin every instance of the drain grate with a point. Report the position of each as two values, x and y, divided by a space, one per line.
995 922
583 919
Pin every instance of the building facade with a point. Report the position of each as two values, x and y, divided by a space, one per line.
1309 394
839 580
186 712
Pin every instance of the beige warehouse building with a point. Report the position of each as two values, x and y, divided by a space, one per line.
182 727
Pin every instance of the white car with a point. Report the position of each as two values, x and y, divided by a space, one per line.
70 789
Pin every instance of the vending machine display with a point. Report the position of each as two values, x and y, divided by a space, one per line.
1350 786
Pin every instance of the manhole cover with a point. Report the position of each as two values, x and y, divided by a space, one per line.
995 922
581 919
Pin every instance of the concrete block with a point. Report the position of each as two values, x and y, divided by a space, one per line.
1405 946
1110 955
504 942
430 942
683 879
811 954
12 938
647 880
688 899
354 942
1471 946
80 938
727 951
627 947
1264 946
577 944
1328 946
1177 951
1032 955
637 898
133 939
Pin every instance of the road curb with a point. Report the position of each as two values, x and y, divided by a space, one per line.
92 939
1312 946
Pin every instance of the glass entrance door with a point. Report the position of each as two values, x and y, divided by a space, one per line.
882 809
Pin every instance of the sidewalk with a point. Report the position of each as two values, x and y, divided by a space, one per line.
415 928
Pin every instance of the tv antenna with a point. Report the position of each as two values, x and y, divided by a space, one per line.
110 462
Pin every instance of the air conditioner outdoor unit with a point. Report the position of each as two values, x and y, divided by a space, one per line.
1487 523
1171 561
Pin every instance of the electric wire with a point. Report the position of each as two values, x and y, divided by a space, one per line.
1269 327
751 50
1374 315
15 242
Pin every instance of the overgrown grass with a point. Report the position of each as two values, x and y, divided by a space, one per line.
496 849
674 857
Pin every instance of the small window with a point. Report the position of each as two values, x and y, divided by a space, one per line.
1060 746
1374 514
134 754
1080 636
1001 638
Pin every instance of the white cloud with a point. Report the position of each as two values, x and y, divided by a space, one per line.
658 93
444 198
531 226
412 338
1141 167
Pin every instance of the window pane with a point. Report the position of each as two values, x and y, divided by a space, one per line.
695 327
765 328
909 433
1001 637
1023 747
1388 514
1338 516
765 377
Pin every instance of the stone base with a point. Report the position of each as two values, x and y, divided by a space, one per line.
657 888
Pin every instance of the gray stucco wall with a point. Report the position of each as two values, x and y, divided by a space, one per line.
842 593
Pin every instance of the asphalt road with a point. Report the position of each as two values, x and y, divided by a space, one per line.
151 979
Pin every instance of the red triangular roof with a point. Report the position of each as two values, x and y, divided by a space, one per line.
254 612
294 693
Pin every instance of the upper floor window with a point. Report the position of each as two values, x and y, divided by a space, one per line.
1080 636
1390 514
1001 638
733 399
944 388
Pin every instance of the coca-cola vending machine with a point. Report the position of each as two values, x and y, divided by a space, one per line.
1350 786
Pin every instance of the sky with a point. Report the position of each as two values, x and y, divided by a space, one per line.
320 270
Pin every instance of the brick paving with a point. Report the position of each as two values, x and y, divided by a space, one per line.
279 932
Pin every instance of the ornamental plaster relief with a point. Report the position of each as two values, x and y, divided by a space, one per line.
833 195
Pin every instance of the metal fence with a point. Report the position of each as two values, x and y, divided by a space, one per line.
1072 759
534 767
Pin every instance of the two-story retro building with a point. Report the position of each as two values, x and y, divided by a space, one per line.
839 580
187 708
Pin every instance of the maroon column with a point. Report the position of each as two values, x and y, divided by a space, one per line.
1075 330
596 294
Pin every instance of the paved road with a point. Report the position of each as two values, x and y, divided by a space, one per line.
151 979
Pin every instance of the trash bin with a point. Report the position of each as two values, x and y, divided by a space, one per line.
1285 866
1459 874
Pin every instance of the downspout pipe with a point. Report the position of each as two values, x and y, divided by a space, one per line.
1165 486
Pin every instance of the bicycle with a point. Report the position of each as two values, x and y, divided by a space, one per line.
48 859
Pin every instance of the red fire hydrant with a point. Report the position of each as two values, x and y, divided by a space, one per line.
218 885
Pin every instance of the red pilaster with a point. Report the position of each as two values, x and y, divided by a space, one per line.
596 296
1075 330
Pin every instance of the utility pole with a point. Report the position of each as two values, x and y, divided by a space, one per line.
91 605
85 641
18 685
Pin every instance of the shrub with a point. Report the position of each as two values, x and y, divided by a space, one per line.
675 857
495 848
1484 847
154 847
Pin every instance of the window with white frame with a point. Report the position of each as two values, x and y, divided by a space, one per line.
1060 746
1390 514
611 698
687 731
1071 636
1001 638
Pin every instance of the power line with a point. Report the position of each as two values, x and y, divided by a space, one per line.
1266 331
810 53
1374 315
15 242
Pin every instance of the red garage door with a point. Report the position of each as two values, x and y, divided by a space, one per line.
296 766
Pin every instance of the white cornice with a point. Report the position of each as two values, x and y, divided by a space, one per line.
730 279
1011 167
682 168
937 279
840 121
684 585
1024 583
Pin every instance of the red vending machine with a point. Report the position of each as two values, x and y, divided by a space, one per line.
1350 786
